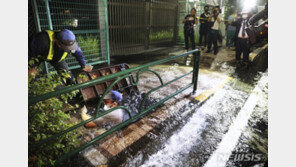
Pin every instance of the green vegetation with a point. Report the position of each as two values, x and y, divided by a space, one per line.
89 44
230 6
47 118
180 36
156 36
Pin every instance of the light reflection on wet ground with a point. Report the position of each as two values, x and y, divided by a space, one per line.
190 141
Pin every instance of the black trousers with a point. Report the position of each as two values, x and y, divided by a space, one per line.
203 34
62 67
242 46
59 66
213 37
189 34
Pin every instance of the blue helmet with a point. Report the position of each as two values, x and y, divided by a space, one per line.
116 95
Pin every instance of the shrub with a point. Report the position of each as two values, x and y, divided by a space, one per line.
157 36
89 44
46 118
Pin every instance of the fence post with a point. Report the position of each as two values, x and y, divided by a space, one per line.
176 24
48 14
147 17
195 70
36 16
50 27
107 31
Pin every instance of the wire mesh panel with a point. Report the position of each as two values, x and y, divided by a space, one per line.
31 22
183 10
135 25
163 20
86 18
126 25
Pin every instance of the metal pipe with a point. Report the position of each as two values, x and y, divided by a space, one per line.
50 27
48 14
161 86
107 31
143 70
195 71
36 15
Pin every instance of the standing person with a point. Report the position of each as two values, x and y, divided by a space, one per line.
53 47
203 29
242 43
230 31
189 22
215 20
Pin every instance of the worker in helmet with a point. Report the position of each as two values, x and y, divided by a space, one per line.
54 47
117 116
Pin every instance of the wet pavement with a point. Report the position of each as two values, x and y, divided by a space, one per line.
194 133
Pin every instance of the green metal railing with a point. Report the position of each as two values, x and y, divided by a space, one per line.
118 76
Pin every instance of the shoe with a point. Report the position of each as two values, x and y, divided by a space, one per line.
208 51
238 63
245 64
215 53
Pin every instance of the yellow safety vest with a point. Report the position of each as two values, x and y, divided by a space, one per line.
51 47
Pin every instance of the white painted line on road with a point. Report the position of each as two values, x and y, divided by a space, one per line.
223 152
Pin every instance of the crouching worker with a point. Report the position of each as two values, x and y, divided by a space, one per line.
54 47
115 117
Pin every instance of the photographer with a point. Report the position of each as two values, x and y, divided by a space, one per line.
203 29
189 22
242 43
214 22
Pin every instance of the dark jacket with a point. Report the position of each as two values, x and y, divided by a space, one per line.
39 44
237 25
189 24
203 26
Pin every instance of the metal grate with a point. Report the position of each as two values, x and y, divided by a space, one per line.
126 25
163 21
31 22
86 18
137 25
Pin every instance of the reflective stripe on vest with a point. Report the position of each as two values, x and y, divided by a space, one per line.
51 47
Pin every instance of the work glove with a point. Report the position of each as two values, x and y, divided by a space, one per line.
116 95
87 68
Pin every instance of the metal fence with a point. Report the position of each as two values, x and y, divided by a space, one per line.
133 25
117 77
86 18
136 25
